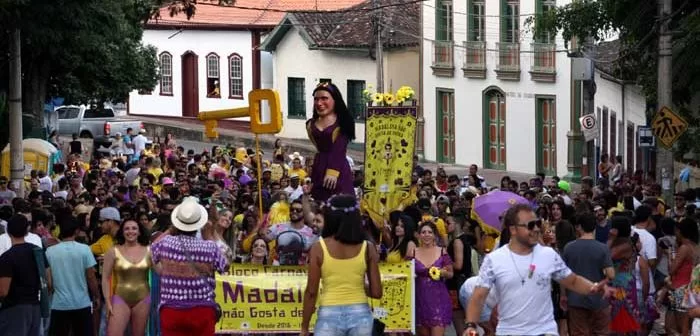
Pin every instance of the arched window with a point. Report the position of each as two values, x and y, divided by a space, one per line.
166 74
213 83
235 63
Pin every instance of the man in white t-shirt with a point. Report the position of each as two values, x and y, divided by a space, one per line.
521 272
294 189
139 143
642 219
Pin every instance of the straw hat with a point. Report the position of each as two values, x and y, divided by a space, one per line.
189 216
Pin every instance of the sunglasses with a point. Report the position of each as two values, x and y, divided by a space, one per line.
297 209
532 224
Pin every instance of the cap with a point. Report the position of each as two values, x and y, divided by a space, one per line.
294 176
143 130
110 213
563 185
167 181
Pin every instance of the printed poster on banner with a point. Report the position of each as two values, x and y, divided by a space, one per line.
589 127
257 299
389 147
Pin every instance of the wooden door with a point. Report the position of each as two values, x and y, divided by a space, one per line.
190 85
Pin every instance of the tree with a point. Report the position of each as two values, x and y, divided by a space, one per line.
79 49
636 23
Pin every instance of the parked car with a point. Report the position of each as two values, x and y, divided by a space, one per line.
96 124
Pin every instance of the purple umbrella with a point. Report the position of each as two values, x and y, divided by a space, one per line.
487 208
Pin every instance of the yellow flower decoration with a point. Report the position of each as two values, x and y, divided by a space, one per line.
389 98
377 98
434 273
405 93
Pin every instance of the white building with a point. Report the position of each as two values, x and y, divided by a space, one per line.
213 60
492 94
309 48
620 109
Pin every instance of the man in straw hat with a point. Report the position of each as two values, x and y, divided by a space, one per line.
186 266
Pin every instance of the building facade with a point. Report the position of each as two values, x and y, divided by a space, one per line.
212 60
495 94
309 48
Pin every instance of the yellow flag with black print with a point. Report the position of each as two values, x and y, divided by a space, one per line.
389 147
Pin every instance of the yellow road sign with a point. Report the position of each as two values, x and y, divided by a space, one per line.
668 126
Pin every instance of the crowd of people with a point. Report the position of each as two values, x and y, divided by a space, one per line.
130 243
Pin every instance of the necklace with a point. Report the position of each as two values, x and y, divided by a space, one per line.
531 269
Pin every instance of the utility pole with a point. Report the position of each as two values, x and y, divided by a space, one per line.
589 90
379 54
16 149
664 93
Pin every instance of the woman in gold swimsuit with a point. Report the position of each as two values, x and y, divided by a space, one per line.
125 280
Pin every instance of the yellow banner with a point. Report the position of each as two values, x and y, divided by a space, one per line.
259 299
389 147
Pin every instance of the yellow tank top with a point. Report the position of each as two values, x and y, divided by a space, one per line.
394 257
131 280
343 280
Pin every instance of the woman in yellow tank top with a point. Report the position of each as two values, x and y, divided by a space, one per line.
125 280
403 238
339 262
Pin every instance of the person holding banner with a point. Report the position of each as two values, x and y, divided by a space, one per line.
331 129
340 261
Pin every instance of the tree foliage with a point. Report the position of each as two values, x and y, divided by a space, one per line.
79 49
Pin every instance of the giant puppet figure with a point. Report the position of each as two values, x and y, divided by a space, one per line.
331 129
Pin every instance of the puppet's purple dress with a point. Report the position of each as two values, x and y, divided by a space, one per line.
330 159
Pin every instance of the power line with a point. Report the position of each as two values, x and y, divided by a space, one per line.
355 8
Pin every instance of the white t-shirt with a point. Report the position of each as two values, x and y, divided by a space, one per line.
6 243
524 297
45 184
139 144
648 251
294 193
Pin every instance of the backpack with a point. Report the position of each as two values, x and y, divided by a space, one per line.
289 247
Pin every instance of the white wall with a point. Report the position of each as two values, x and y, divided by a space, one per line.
609 95
201 42
520 95
292 58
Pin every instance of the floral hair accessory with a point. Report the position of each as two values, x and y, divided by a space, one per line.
434 273
355 207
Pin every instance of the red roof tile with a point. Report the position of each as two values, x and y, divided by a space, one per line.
245 13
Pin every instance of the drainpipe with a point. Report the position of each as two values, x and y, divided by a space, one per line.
622 139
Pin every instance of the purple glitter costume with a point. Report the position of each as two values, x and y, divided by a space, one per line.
433 303
330 159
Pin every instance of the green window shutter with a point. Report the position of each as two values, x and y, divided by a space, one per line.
296 101
439 21
356 105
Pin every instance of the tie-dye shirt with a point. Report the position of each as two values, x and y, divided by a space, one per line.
180 285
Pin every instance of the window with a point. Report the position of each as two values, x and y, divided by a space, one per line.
613 134
213 84
495 132
604 124
98 113
235 63
546 135
444 20
356 103
477 21
296 98
630 153
510 21
446 126
544 6
68 112
166 74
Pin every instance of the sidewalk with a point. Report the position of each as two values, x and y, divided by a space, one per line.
239 136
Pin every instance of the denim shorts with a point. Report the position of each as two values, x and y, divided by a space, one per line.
345 320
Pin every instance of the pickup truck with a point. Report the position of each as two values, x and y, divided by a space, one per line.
96 124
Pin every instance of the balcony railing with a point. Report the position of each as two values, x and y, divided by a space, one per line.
443 54
475 55
508 56
543 58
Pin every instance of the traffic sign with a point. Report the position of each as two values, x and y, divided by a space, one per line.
589 127
668 126
645 137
